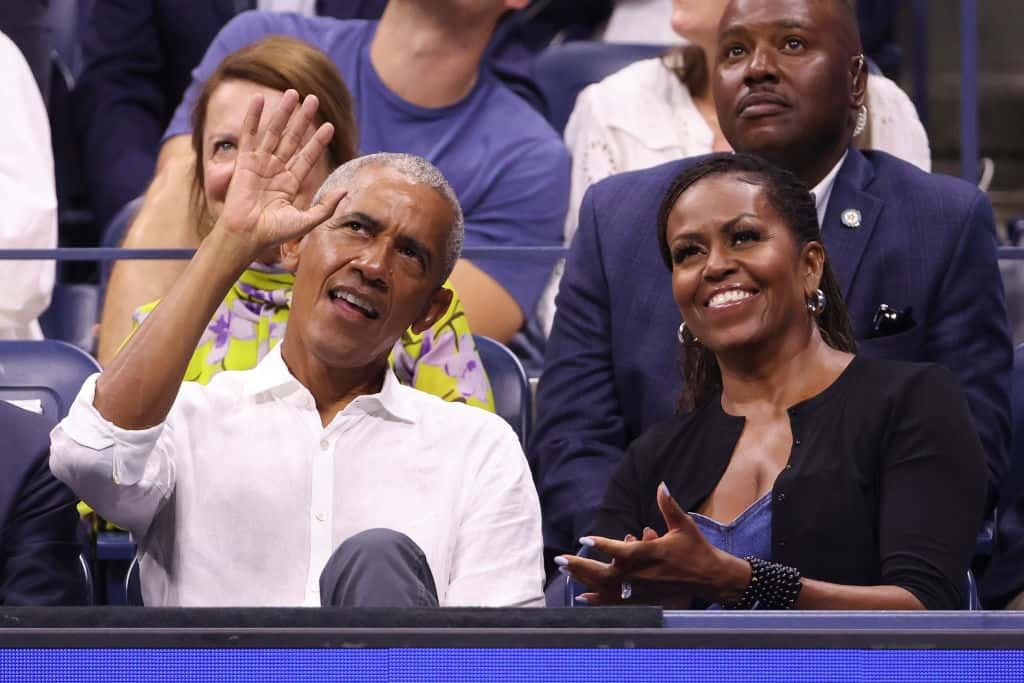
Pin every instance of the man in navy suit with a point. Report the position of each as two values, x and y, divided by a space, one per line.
38 521
915 255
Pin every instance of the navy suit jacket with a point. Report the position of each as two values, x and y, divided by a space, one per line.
926 242
39 546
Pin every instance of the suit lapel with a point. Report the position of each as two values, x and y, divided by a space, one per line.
845 245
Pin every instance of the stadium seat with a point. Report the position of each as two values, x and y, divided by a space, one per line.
46 373
561 71
1017 411
74 310
132 585
113 235
86 578
512 399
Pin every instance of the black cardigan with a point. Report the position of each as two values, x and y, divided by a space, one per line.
885 484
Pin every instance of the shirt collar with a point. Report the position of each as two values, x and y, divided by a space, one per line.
272 375
823 190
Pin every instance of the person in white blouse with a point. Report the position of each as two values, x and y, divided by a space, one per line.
29 197
314 478
660 110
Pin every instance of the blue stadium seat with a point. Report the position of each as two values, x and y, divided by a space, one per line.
1017 411
83 564
74 310
561 71
133 585
512 399
47 371
114 233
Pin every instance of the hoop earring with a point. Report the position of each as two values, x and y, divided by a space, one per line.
862 120
681 335
816 303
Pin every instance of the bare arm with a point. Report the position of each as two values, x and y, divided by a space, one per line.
138 388
491 310
165 221
683 562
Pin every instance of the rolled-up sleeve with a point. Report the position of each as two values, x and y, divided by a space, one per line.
125 475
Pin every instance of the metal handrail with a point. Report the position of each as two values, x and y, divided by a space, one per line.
116 253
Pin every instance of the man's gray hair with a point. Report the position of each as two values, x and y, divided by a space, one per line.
418 171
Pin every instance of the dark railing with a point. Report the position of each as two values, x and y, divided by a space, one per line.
115 254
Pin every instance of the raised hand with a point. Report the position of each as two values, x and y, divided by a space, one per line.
271 165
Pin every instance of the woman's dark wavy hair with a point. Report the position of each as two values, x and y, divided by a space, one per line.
794 204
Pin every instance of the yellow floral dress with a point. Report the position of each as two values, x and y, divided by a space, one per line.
252 318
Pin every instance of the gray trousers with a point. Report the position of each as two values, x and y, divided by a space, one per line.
377 568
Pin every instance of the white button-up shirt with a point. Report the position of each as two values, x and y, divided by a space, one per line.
241 496
822 192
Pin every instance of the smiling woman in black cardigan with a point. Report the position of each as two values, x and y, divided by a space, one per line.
797 475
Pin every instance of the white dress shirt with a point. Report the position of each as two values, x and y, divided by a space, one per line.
241 496
28 196
642 116
822 192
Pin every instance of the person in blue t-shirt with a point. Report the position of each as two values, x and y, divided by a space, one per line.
418 87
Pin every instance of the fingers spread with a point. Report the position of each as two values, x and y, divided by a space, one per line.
674 515
278 121
324 209
619 550
311 152
251 124
593 574
298 128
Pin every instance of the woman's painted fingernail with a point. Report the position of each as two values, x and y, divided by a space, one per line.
564 571
582 600
561 561
587 541
664 489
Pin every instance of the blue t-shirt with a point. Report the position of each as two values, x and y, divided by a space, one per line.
508 167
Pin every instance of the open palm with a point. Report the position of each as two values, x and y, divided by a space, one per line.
269 170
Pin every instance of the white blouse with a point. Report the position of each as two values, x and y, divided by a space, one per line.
642 116
28 195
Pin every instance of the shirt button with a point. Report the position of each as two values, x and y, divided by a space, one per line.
789 467
320 516
781 544
324 445
797 442
781 497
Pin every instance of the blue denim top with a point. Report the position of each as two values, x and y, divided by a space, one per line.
749 534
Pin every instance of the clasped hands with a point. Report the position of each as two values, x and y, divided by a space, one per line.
668 570
272 162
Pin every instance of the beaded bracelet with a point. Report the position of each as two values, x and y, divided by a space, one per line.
772 586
